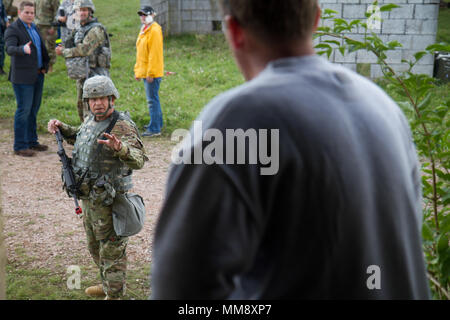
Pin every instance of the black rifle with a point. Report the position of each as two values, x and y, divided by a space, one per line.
58 23
72 186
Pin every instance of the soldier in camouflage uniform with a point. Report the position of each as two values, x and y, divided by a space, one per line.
105 173
69 19
45 15
11 10
89 40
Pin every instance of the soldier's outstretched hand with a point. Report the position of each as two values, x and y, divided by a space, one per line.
111 141
53 125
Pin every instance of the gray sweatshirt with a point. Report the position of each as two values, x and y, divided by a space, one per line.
336 215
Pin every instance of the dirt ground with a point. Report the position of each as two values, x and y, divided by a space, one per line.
41 229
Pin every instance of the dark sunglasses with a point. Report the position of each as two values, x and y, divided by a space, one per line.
141 14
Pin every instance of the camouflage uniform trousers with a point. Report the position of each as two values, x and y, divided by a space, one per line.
82 107
49 41
106 248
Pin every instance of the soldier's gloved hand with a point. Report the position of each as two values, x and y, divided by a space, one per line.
111 141
53 125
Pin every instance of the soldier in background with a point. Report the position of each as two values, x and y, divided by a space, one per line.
66 16
122 152
45 15
11 10
89 40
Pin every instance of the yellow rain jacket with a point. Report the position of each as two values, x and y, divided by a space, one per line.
149 53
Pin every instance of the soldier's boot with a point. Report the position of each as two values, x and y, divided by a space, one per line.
95 291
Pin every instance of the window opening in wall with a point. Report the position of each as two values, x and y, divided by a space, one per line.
216 25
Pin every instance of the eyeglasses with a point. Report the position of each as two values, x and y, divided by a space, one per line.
141 14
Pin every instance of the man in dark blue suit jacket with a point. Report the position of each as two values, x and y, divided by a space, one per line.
29 63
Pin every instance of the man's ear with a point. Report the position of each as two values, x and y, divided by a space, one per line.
235 32
317 18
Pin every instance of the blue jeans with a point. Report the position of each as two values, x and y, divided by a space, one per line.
154 106
28 98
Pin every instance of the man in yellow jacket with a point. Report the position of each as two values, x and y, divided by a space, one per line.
150 67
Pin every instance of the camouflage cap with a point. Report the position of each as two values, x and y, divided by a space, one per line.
84 4
99 86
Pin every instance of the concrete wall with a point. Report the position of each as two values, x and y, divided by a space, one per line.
414 25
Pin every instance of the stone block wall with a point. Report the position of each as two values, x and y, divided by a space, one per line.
198 16
414 25
187 16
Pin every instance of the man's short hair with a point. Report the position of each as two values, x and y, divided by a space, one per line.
281 20
24 4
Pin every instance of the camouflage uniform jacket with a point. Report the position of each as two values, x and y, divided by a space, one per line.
118 165
46 11
90 40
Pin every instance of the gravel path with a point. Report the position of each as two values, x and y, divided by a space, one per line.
40 226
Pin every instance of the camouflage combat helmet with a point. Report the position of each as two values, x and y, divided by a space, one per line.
99 86
84 4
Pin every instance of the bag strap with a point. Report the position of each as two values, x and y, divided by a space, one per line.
115 117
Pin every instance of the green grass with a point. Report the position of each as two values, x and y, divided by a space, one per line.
202 63
44 284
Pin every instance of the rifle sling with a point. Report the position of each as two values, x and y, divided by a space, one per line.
115 117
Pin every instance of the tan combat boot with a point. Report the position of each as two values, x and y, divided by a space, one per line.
95 291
